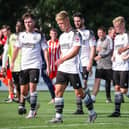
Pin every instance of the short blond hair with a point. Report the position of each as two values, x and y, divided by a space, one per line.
119 20
61 15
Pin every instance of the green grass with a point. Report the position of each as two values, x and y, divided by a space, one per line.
9 118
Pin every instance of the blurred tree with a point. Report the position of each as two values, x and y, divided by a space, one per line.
96 12
47 10
11 10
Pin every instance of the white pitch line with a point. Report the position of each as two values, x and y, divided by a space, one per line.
62 125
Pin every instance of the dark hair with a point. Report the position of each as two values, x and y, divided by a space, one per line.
102 28
78 14
53 29
28 15
7 27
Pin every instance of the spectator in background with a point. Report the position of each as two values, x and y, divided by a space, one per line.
17 66
45 76
5 63
86 55
54 54
104 64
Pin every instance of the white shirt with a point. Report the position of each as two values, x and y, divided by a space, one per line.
67 42
31 45
121 40
88 41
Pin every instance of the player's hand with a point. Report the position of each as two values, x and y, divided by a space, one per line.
59 61
112 58
125 57
48 71
3 72
11 66
97 58
120 50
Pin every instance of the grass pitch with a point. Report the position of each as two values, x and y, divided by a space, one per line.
9 118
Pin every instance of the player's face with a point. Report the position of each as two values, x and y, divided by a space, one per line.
29 24
101 34
118 27
53 34
77 22
18 26
63 24
113 33
1 33
5 32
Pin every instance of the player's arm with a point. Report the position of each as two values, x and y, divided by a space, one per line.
46 57
4 59
108 51
15 53
5 56
92 54
68 56
120 50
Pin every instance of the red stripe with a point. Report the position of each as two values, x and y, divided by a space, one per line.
54 48
49 43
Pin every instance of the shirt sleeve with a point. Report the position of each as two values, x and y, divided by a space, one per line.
44 44
5 55
77 39
92 39
18 41
108 51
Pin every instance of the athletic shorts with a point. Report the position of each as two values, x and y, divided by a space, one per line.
52 74
16 78
85 73
65 78
9 74
105 74
29 75
121 78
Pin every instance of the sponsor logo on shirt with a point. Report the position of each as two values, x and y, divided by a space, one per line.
28 45
65 46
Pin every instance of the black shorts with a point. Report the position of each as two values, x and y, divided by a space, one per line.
121 78
85 73
29 75
65 78
16 78
105 74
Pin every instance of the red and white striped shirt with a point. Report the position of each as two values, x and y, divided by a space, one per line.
54 53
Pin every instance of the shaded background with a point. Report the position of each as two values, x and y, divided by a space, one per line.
96 12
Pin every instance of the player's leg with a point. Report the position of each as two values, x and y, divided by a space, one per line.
98 76
95 89
121 87
61 83
79 103
77 85
108 91
23 92
16 82
49 84
33 80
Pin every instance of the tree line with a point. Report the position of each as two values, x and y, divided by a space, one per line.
96 12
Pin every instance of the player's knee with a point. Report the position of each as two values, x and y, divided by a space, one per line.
88 100
79 93
58 93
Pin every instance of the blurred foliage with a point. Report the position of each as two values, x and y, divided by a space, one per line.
96 12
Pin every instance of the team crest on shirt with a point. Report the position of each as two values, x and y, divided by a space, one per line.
35 37
77 39
122 39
